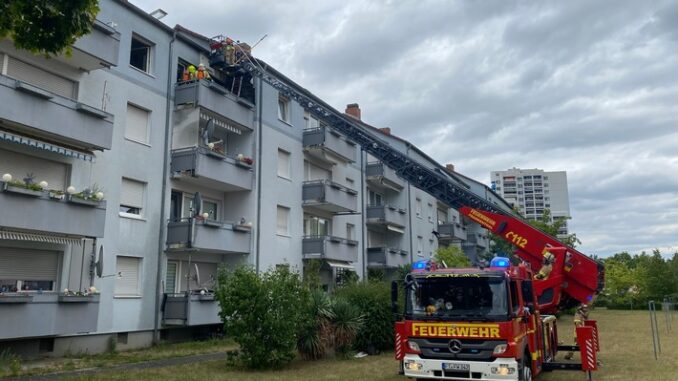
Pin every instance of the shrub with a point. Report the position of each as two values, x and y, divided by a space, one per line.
316 331
346 324
373 301
452 256
263 314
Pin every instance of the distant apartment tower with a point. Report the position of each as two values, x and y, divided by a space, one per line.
533 190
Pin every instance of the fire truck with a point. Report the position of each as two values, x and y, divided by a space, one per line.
497 322
493 323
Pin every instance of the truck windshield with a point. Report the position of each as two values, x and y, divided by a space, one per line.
456 297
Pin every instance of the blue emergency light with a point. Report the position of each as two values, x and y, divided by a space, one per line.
421 265
500 262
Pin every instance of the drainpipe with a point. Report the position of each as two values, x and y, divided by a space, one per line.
163 196
362 217
409 205
258 168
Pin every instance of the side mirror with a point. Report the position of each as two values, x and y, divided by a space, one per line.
394 297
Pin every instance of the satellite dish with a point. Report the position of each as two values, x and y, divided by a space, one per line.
197 204
197 275
207 132
99 265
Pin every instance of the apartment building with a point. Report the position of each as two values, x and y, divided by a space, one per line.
533 190
125 187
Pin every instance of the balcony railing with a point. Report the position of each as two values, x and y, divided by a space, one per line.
329 196
190 310
57 214
330 247
47 314
380 175
55 117
210 169
96 50
451 232
386 215
213 97
326 144
386 257
208 236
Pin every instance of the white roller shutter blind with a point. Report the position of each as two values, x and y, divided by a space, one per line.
2 63
283 216
283 164
136 127
41 78
171 278
132 193
19 165
28 264
127 283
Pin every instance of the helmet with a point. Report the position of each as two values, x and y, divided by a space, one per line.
549 258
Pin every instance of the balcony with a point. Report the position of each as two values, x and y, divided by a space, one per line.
387 215
382 176
191 234
44 114
202 167
328 145
328 196
451 232
96 50
23 209
190 310
213 97
47 314
385 257
480 240
331 248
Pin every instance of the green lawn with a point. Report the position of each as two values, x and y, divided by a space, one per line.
626 352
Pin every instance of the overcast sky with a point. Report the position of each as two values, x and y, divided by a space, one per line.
588 87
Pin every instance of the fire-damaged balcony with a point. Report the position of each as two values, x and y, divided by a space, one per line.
330 248
47 314
386 257
57 214
193 234
451 232
386 215
204 167
382 176
190 309
211 96
95 50
328 145
328 196
37 112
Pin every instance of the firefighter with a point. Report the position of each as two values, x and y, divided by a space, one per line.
192 72
581 315
546 267
229 52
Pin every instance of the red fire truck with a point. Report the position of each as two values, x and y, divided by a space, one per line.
497 322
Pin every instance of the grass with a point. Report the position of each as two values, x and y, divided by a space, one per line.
626 353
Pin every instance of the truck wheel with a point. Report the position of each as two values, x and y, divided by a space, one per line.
524 371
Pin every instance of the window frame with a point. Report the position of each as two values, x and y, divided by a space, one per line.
141 208
149 49
139 269
147 139
279 232
283 109
288 168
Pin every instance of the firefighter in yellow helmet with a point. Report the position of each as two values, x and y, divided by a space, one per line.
547 266
581 315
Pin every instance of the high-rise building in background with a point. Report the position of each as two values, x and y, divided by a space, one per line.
532 191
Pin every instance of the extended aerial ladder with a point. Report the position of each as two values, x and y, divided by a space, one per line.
575 279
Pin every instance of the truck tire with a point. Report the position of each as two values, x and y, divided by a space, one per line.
524 370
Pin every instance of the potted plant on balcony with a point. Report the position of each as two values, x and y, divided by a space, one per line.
91 196
69 296
26 187
244 161
206 295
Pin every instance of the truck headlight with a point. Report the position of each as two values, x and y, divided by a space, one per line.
413 365
499 349
503 370
413 346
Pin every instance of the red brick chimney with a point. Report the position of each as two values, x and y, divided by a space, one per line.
449 167
353 110
386 130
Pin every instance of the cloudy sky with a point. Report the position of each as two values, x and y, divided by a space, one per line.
586 87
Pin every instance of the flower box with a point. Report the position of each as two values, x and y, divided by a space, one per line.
207 297
18 298
82 201
21 190
76 298
243 164
213 223
246 228
215 154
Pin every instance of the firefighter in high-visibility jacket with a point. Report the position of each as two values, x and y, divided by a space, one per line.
547 266
581 315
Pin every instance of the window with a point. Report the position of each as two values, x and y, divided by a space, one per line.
430 212
211 208
315 172
284 109
140 54
171 277
350 231
283 164
127 282
311 121
136 127
317 226
28 269
420 246
20 166
418 207
283 220
515 301
43 79
187 209
430 248
374 198
132 197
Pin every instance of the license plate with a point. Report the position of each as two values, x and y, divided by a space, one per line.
451 366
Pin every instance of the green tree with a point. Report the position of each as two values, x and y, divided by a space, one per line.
452 256
46 26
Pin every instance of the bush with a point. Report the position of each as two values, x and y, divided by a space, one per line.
373 301
346 324
452 256
316 332
263 314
